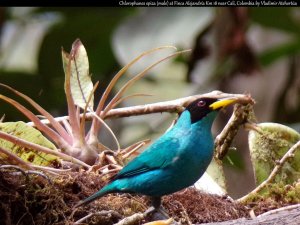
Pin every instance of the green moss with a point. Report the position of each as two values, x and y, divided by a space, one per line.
275 195
270 145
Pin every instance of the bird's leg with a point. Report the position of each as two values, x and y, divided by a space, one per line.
156 202
157 211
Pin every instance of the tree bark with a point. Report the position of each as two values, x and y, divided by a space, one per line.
283 216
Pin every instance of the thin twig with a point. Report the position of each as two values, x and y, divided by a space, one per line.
134 145
13 167
16 168
162 222
110 171
51 169
135 218
167 106
26 173
133 148
105 169
289 154
184 213
254 127
41 174
101 213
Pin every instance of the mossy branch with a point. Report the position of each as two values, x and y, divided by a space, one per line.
289 154
241 115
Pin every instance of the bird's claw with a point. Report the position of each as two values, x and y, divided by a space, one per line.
157 213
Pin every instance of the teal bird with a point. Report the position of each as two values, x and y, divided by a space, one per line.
174 161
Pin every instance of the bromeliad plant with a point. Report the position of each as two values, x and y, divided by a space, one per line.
72 142
22 144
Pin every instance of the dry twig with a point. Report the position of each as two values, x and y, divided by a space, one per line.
167 106
137 217
101 213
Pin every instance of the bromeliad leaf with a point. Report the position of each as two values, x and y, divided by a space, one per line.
213 181
80 79
28 133
268 146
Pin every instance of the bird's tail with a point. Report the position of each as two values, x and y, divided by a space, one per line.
105 190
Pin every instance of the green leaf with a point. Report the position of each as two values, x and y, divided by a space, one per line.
282 18
213 180
270 55
268 146
97 36
216 171
28 133
80 79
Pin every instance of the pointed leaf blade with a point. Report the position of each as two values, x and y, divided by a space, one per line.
80 79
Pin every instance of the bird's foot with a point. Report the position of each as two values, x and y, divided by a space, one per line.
157 213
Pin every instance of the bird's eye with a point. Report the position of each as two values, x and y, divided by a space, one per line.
201 103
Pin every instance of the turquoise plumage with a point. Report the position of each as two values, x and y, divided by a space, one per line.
174 161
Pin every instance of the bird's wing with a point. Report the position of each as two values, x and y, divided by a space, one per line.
156 156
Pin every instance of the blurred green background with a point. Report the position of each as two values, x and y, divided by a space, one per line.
238 50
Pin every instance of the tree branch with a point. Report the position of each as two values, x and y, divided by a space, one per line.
241 114
167 106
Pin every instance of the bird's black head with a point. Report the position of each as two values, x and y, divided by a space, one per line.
203 106
200 108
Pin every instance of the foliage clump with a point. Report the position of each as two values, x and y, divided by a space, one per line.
33 199
275 195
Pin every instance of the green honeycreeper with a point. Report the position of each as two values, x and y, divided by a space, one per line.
174 161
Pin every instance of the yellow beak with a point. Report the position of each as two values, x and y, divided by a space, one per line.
222 103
